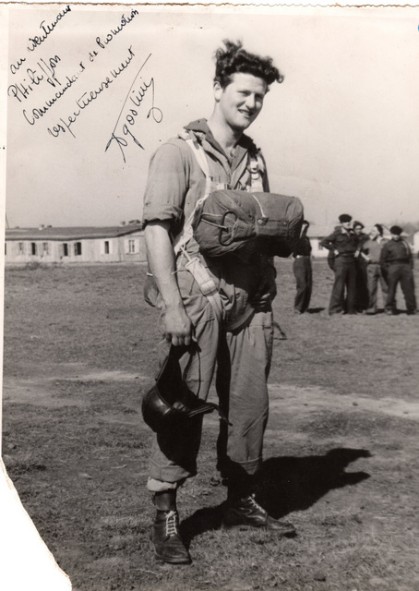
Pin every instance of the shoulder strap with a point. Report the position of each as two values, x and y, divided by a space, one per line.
198 151
194 264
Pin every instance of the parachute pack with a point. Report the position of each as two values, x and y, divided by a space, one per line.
229 220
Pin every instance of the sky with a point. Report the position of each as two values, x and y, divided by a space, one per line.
341 132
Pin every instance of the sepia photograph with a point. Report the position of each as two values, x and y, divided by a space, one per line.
210 328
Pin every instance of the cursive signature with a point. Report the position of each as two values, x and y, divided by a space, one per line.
129 113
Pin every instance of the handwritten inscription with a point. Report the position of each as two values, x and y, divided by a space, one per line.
47 29
43 70
31 76
87 98
128 115
103 42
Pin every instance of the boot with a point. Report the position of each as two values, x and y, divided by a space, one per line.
168 545
245 511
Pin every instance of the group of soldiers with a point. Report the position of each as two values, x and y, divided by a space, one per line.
360 261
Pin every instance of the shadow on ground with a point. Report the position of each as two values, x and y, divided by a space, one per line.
289 484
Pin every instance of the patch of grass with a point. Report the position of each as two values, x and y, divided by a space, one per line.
346 478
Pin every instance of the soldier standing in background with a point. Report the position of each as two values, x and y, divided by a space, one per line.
371 253
344 244
397 264
303 271
361 269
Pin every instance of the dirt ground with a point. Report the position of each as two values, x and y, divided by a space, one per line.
341 454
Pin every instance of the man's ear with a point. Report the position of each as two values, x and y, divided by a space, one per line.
218 91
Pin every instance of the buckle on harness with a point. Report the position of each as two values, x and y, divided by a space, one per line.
201 276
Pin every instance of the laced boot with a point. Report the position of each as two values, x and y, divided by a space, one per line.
168 545
245 511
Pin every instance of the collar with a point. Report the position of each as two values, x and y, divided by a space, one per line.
201 129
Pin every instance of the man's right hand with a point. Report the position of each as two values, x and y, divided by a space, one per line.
178 326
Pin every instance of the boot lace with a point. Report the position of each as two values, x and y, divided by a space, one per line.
255 504
171 524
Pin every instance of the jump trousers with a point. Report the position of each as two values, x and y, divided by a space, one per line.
400 273
345 277
240 361
304 279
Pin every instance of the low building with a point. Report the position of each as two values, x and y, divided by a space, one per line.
316 234
46 244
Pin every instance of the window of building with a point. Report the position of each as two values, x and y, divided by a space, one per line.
33 248
5 248
45 248
106 247
65 249
131 246
21 248
77 248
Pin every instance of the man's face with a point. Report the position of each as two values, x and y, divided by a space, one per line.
241 101
358 230
396 237
374 233
346 225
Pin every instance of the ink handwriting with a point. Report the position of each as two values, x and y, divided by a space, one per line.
47 29
128 116
87 98
103 42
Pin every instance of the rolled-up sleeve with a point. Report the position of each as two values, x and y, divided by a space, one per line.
166 185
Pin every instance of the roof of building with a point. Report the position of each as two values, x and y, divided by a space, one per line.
71 232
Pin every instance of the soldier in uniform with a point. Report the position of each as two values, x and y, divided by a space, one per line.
344 245
237 345
371 254
303 272
361 269
397 264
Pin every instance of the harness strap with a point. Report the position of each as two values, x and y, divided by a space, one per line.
194 264
198 151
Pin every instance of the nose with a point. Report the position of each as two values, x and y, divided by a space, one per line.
251 101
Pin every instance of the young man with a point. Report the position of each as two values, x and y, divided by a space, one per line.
344 244
239 342
303 272
371 254
397 264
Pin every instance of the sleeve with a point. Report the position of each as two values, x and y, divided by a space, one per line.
328 242
383 255
167 184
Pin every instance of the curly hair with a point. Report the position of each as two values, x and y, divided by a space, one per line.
233 58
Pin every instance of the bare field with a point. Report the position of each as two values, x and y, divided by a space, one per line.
341 454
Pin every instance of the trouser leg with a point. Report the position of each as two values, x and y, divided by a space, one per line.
302 286
350 281
384 285
393 277
408 288
336 298
362 294
373 274
243 369
174 453
309 283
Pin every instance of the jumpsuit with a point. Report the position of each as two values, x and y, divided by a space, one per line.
237 349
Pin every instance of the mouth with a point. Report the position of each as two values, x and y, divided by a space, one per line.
247 114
